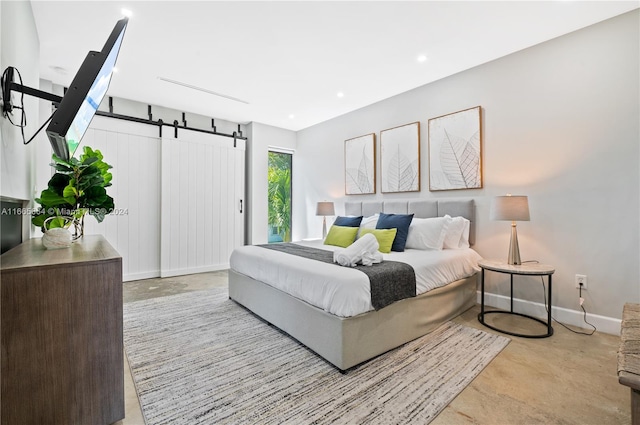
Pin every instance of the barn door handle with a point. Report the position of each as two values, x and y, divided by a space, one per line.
240 206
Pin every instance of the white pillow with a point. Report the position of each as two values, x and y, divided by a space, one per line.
457 233
427 233
368 223
464 240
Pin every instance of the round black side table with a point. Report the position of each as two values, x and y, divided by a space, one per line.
528 269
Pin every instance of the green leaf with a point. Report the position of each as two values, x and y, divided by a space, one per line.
107 179
109 204
49 198
57 160
98 213
77 214
103 166
90 182
58 182
70 193
91 171
90 153
94 196
39 219
89 160
87 184
57 222
63 169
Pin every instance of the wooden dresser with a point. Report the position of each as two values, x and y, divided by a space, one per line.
61 334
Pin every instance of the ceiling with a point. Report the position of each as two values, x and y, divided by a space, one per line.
289 60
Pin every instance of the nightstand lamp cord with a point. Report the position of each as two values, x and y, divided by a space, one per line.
544 293
562 324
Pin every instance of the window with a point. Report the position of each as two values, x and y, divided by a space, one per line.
279 193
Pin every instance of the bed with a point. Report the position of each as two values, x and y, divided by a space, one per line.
348 339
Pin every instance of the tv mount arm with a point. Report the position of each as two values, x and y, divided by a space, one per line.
8 86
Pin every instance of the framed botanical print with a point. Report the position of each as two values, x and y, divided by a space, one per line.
360 165
400 158
455 151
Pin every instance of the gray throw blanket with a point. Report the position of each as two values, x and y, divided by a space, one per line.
390 281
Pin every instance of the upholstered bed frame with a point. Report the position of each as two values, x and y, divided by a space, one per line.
347 341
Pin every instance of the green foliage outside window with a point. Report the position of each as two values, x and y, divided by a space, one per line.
279 192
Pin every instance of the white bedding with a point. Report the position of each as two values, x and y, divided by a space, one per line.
344 291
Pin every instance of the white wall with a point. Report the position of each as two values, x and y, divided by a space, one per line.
261 138
20 48
561 125
42 148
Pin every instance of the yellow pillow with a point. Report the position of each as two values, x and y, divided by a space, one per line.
385 237
341 236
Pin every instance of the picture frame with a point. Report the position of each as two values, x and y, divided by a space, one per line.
400 158
360 165
455 150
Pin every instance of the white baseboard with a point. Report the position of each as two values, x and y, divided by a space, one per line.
564 315
140 276
193 270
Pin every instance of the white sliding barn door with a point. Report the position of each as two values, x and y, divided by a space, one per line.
133 150
202 197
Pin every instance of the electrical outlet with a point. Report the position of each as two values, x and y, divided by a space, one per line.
581 281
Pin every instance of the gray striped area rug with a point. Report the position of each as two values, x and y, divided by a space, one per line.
199 358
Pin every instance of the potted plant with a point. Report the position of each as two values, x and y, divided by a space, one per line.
78 187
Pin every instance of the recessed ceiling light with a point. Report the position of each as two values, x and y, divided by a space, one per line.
291 116
422 58
340 94
126 12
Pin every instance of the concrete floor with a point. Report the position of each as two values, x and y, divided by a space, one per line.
564 379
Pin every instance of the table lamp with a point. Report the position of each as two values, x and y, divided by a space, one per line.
324 209
511 208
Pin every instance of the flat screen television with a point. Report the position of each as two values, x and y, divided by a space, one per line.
81 101
10 223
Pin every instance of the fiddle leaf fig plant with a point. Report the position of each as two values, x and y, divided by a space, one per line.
78 187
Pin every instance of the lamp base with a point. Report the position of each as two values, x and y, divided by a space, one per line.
324 227
514 249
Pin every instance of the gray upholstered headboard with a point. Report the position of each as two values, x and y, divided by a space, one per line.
420 208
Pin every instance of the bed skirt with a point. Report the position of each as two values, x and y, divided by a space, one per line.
348 341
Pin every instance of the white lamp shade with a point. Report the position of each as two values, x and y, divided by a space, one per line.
510 208
325 208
